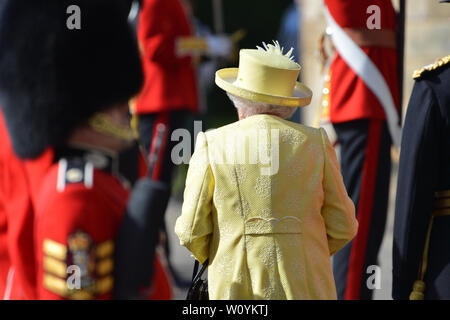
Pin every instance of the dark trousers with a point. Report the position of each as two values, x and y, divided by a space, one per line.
366 167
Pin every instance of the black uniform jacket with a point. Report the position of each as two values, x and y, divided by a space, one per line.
424 169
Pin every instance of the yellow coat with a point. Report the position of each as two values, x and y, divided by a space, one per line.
268 235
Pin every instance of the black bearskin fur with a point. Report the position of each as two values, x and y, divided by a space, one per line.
53 79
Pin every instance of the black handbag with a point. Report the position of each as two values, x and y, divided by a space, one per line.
199 287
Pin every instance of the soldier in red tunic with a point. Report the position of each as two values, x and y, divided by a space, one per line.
70 93
363 104
169 92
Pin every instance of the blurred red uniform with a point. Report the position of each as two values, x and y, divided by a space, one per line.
5 156
169 80
17 268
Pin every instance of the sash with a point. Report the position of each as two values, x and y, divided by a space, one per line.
363 66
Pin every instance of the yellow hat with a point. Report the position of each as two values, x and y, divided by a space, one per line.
267 76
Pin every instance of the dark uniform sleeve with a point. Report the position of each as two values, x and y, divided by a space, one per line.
75 233
416 182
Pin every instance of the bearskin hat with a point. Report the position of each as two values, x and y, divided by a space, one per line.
54 76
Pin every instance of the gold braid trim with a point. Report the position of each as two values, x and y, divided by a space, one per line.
434 66
441 208
102 123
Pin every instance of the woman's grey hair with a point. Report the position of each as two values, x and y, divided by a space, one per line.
247 108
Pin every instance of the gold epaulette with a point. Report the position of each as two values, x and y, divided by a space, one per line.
431 67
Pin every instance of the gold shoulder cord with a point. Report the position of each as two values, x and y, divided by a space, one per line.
441 208
439 63
102 123
419 285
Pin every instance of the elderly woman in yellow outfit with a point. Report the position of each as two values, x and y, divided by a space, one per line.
264 200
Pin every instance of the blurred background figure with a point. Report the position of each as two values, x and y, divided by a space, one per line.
363 108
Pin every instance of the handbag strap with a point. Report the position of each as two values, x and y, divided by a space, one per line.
196 264
196 275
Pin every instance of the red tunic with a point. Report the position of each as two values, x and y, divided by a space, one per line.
16 218
170 82
78 214
5 155
350 98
